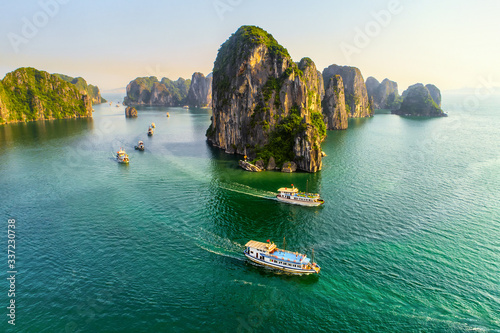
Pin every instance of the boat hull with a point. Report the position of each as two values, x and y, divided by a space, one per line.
300 203
281 268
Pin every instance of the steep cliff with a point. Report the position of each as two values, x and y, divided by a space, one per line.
334 110
29 94
371 88
263 105
83 87
150 91
418 102
356 96
435 93
200 90
384 95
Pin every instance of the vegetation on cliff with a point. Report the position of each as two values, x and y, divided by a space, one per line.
91 90
418 101
150 91
29 94
264 104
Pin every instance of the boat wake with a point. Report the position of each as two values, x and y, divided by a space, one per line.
247 190
215 244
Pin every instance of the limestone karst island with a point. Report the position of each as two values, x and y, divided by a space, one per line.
273 111
250 166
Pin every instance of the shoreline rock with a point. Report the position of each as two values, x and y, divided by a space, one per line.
130 112
289 167
249 166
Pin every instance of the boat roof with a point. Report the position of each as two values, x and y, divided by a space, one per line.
291 256
261 246
286 189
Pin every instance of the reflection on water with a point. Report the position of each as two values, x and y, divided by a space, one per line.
37 132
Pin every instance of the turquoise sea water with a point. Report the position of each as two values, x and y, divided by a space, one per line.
408 239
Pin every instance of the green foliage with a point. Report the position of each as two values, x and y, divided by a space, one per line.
394 102
318 122
143 86
281 140
80 83
178 89
237 47
27 91
255 35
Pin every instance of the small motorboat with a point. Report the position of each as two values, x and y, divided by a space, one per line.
153 125
168 114
140 146
150 131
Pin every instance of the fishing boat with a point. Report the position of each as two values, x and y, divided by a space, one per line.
267 254
153 125
140 146
293 196
168 114
150 131
121 156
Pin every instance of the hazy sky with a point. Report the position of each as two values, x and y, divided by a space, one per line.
451 43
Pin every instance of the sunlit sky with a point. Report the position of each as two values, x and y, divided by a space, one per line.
452 44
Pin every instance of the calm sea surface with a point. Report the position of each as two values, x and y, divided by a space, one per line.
408 239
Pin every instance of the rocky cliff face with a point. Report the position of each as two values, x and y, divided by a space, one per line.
84 88
384 95
150 91
29 94
334 110
356 96
263 104
200 91
419 102
371 88
435 93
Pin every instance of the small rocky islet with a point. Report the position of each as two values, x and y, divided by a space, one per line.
265 105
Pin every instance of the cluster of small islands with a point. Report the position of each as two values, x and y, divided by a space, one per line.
264 105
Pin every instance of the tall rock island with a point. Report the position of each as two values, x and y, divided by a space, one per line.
29 94
265 105
200 90
419 101
357 102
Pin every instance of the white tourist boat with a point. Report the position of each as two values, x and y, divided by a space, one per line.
267 254
293 196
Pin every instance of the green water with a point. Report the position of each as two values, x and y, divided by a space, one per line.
408 239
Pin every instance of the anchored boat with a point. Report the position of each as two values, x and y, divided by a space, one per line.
140 146
267 254
121 156
293 196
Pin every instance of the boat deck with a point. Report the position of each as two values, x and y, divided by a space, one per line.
290 256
